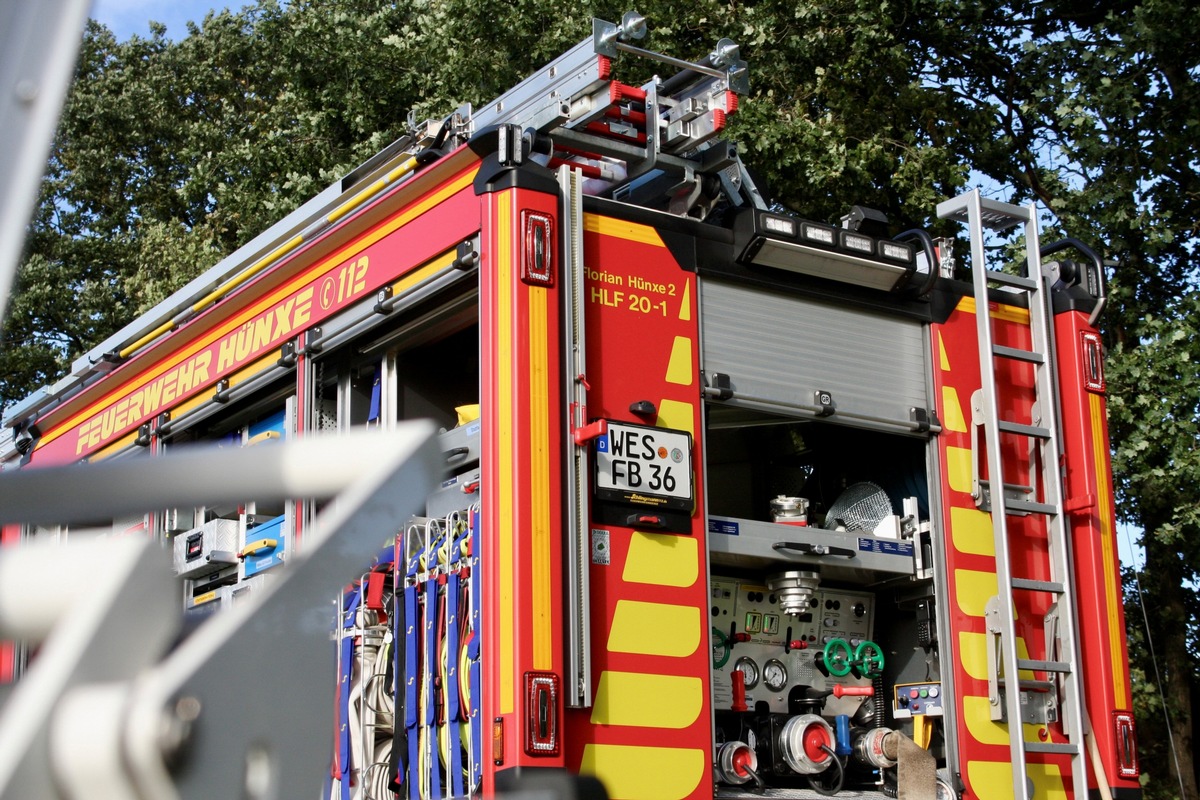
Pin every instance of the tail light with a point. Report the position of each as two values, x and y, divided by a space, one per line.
1093 362
541 713
537 263
1127 760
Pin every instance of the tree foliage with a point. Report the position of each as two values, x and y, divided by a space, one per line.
173 153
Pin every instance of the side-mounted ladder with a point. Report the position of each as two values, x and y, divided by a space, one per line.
1015 699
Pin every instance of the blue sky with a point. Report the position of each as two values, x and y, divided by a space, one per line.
128 17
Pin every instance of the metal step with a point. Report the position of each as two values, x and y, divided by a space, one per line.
1028 507
1008 279
1012 488
1050 587
1024 430
1044 666
1030 684
1052 747
1018 354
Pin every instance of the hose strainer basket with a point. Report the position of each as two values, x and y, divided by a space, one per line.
861 507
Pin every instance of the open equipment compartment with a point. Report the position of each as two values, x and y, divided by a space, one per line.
819 493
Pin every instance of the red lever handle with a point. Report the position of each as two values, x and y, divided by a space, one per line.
590 431
739 691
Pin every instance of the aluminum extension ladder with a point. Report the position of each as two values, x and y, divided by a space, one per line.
1005 499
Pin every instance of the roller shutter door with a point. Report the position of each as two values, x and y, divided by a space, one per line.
778 350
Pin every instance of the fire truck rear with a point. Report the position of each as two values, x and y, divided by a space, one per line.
734 503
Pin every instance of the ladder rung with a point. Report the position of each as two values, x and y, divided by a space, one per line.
1019 355
1028 507
1007 279
1029 684
1044 666
1037 586
1008 487
1024 430
1052 747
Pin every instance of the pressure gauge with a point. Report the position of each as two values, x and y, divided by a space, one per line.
749 670
775 675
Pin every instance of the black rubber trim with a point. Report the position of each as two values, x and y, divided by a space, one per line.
496 177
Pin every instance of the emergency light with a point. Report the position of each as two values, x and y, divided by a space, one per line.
821 251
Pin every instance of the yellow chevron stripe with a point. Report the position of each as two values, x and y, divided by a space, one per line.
662 560
643 700
992 780
645 773
654 629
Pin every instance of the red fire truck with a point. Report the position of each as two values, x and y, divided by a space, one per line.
735 502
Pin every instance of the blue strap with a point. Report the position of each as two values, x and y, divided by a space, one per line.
430 671
350 601
430 649
473 656
399 648
373 411
345 668
353 598
412 652
452 695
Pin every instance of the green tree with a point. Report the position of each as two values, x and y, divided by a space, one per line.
1121 102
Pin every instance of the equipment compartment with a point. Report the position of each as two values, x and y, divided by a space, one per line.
820 607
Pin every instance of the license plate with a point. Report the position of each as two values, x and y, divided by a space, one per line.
647 466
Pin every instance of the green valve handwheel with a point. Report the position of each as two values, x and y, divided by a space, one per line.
720 648
838 657
869 659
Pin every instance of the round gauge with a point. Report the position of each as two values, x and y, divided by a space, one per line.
775 675
749 669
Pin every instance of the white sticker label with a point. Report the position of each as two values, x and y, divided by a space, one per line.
600 552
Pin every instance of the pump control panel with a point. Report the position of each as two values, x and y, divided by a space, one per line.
781 655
